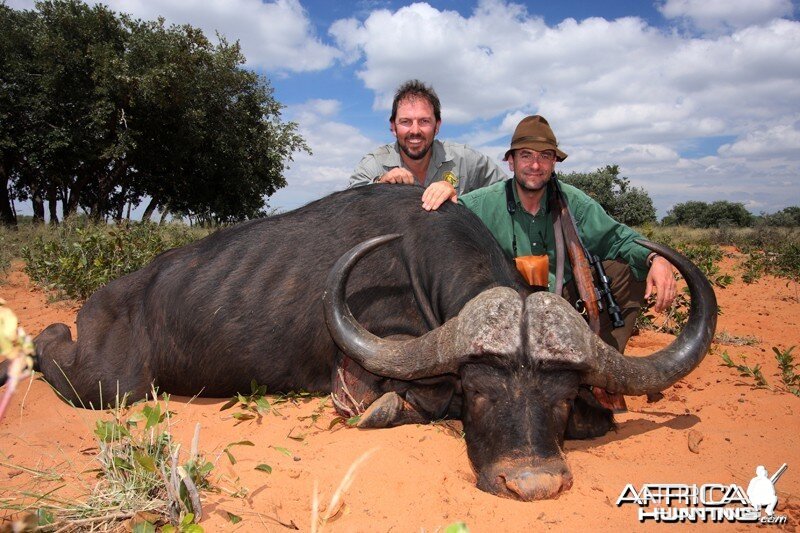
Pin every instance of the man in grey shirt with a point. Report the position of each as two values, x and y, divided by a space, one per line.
445 169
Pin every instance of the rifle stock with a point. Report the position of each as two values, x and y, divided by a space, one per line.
581 269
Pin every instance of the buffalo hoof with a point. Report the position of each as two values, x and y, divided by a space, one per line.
390 410
383 412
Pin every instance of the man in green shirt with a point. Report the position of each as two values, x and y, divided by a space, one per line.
523 225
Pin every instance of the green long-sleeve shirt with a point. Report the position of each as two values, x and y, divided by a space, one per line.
601 234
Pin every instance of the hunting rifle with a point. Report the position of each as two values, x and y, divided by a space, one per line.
591 297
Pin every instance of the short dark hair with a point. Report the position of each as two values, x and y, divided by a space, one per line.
416 89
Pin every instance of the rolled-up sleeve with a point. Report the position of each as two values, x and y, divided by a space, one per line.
367 171
608 238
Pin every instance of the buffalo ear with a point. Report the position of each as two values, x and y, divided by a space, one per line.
556 333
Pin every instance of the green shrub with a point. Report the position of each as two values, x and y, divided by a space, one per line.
707 257
5 256
77 259
142 480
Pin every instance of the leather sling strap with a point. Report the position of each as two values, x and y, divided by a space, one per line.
581 270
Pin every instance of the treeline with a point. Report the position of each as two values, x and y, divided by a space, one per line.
626 204
727 214
634 207
99 111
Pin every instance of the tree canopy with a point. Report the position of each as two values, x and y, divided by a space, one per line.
99 111
704 215
787 217
626 204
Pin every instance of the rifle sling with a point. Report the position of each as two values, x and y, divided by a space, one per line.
559 238
581 270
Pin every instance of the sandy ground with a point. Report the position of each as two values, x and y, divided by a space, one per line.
418 478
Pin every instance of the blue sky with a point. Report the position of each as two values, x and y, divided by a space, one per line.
693 99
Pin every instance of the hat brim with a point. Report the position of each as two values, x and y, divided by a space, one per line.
535 145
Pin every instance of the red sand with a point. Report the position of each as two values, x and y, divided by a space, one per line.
419 478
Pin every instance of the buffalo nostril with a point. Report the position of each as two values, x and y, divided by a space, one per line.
527 485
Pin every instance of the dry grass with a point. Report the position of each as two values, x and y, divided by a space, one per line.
336 504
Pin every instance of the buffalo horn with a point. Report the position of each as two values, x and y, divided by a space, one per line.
653 373
473 333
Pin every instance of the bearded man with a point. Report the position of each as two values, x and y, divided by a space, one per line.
444 168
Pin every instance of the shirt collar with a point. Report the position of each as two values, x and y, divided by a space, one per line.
441 153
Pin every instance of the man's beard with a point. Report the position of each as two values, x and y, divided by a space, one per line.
525 187
415 156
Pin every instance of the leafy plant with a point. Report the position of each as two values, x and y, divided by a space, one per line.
707 256
787 366
5 256
746 371
251 406
140 478
771 251
227 450
673 319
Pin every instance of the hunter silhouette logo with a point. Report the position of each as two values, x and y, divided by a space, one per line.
709 502
761 490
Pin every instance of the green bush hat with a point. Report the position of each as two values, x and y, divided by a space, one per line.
534 133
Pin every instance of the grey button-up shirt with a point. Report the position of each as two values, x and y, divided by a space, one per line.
464 167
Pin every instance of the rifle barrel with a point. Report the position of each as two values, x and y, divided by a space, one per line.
778 473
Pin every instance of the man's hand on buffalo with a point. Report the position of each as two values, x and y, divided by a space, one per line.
398 175
661 281
437 194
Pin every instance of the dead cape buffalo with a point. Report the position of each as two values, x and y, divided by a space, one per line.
435 323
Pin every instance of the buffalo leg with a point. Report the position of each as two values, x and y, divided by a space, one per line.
588 418
353 387
383 402
84 379
420 403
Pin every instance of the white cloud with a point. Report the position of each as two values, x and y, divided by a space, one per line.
273 35
721 15
317 106
781 140
615 91
335 146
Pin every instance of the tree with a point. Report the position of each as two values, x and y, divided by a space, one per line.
634 207
703 215
17 85
626 204
786 217
227 147
122 109
723 213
